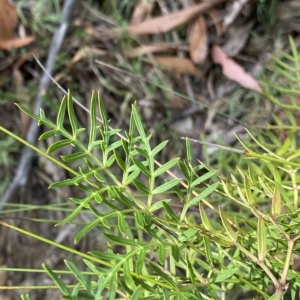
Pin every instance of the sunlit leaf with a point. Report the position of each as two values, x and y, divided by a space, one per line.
93 126
121 223
158 148
121 241
162 252
165 167
140 263
175 252
48 134
163 275
276 203
58 145
141 187
71 114
227 226
81 278
159 204
261 239
285 147
141 166
203 194
166 186
170 212
73 157
85 230
57 281
223 275
203 178
61 113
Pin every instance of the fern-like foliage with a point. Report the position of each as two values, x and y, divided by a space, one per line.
132 273
213 254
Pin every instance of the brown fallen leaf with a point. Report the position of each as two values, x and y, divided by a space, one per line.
147 49
163 23
233 70
8 19
8 22
141 11
198 40
15 43
178 65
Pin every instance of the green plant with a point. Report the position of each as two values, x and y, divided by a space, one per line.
248 244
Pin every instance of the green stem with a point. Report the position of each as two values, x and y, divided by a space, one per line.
272 159
260 263
281 287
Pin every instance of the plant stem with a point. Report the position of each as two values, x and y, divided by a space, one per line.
260 263
281 287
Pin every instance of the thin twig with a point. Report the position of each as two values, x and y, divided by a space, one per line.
215 145
22 171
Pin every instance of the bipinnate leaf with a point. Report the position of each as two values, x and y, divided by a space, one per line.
166 167
121 223
93 126
61 113
162 252
139 218
137 293
83 280
158 148
102 111
30 113
74 156
203 178
204 218
166 186
285 147
85 230
203 194
159 204
67 182
189 152
141 166
276 203
58 145
188 234
249 194
223 275
48 134
57 280
208 250
121 241
139 125
261 239
141 187
175 252
170 212
140 263
71 113
227 226
163 275
120 160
